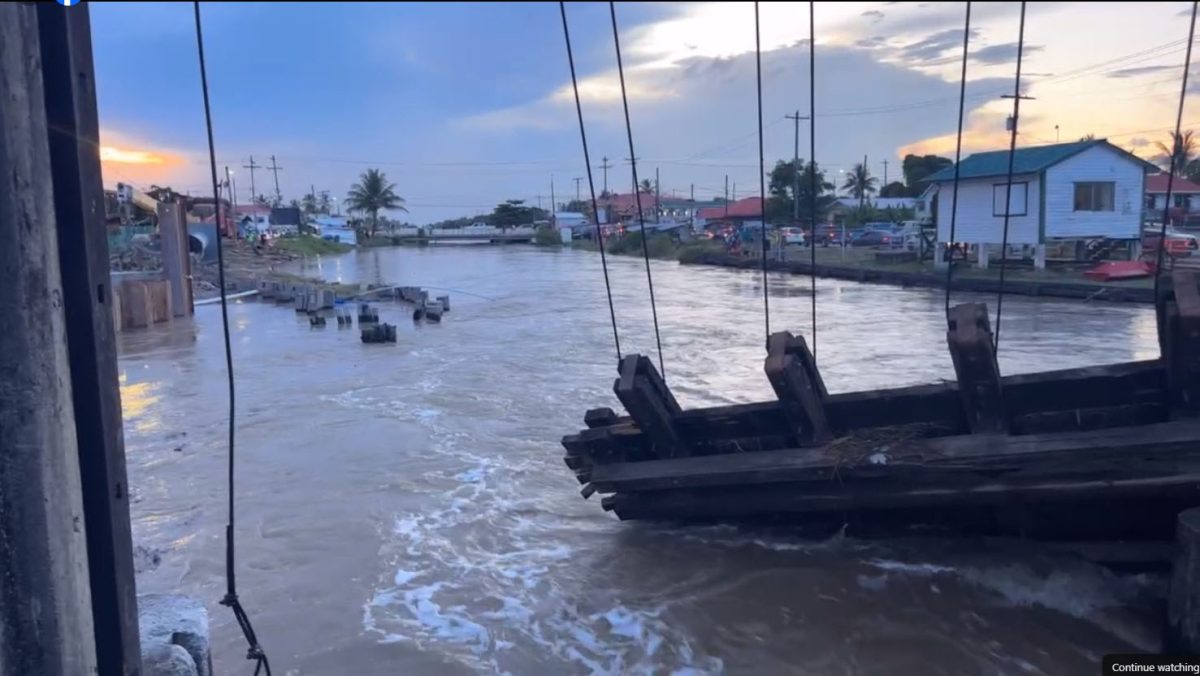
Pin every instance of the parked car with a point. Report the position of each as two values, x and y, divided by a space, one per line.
793 235
1179 244
873 237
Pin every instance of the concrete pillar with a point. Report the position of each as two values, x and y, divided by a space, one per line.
981 250
45 603
940 259
1039 257
1183 600
177 265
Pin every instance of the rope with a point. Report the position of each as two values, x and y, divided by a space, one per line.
637 192
1162 232
587 161
762 171
255 651
962 99
812 141
1012 147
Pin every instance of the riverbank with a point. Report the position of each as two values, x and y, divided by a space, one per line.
247 264
861 265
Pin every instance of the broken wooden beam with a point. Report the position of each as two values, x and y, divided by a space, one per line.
644 393
793 375
974 355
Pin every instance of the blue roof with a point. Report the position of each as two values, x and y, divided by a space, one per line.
1025 161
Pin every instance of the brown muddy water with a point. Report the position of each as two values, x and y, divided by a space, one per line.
404 508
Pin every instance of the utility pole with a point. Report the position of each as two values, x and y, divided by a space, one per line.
605 166
862 191
885 163
577 179
553 207
657 198
692 207
796 166
275 170
726 195
252 166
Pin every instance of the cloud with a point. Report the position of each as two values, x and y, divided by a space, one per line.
995 55
873 14
1139 142
1139 70
934 46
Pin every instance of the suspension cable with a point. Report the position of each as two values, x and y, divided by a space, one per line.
812 153
1012 148
1175 145
762 171
637 193
962 99
255 651
587 161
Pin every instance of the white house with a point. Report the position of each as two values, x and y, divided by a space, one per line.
1085 189
1185 195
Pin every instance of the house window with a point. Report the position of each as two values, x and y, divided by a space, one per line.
1094 196
1181 201
1018 202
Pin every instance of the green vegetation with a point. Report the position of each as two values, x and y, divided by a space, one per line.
699 250
373 194
547 237
512 213
305 245
658 246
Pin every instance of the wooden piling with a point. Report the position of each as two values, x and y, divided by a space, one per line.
1183 600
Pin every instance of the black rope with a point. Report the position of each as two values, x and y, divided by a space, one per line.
637 192
587 161
762 171
1012 148
962 99
255 651
812 151
1162 232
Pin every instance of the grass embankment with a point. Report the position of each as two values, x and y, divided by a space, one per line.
307 245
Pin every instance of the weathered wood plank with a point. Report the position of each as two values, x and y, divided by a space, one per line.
969 337
645 395
793 375
1181 347
599 417
924 460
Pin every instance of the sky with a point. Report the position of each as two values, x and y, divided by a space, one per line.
464 105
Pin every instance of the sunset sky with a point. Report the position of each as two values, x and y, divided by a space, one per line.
464 105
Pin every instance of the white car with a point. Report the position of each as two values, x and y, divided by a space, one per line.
793 236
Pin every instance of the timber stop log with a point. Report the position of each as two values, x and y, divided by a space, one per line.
1183 600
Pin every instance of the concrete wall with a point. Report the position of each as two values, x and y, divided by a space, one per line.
1099 164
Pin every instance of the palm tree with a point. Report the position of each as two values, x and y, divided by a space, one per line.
373 194
1182 150
1088 137
859 183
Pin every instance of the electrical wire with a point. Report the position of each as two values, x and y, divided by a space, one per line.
812 150
255 651
637 192
762 171
962 98
1175 143
1012 148
587 161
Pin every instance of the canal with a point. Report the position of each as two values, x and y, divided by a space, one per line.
404 508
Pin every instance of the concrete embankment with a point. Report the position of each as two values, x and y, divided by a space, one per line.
1055 288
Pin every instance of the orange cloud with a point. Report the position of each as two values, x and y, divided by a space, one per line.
129 160
123 156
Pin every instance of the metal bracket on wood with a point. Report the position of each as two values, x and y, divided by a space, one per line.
1180 336
650 403
797 382
974 355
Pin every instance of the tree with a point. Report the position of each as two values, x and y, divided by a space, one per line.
577 206
262 201
894 189
511 213
323 202
1090 137
859 182
372 194
917 168
309 204
780 204
1182 150
647 186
